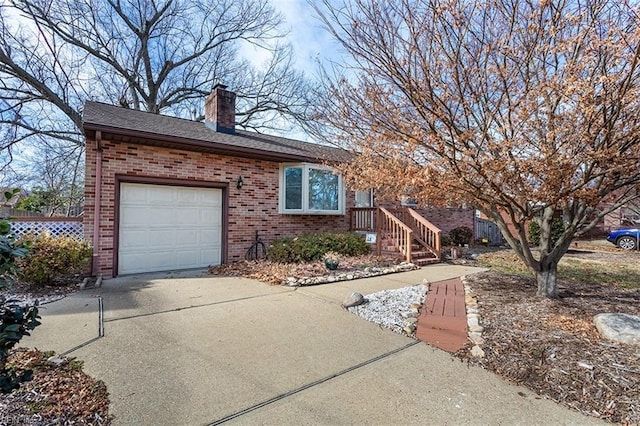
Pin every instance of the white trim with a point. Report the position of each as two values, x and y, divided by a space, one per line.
306 167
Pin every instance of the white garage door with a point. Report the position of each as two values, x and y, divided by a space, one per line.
164 228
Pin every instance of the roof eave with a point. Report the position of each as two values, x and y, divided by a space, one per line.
147 138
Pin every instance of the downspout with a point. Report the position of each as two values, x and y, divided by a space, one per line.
96 208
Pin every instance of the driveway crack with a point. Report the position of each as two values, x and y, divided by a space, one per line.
311 385
184 308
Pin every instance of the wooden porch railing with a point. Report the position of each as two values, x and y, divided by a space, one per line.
393 228
363 219
427 231
404 226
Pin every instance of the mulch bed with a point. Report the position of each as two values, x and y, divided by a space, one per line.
275 273
553 347
60 395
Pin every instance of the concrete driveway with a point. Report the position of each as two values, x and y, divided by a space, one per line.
179 350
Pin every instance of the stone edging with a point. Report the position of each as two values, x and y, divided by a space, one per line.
373 271
474 328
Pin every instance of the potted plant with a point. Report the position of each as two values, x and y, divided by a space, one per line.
331 260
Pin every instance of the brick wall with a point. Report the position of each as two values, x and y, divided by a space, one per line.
448 218
445 218
252 208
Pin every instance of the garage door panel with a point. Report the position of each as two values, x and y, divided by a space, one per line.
213 201
188 236
159 260
188 217
133 195
161 196
131 216
210 216
160 238
133 239
132 261
168 227
210 237
214 253
188 259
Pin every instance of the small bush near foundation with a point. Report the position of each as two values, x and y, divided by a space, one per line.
461 235
54 261
311 247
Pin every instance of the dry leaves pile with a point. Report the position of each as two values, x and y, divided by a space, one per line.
56 394
553 348
276 273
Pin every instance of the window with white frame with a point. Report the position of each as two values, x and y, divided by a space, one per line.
310 189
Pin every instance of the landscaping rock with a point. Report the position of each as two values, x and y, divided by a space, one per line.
410 321
477 352
354 299
57 361
622 328
409 329
365 273
411 313
385 307
476 338
476 329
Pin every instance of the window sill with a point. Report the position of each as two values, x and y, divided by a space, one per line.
312 213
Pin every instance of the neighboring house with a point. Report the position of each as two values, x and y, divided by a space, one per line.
8 207
621 217
180 194
15 198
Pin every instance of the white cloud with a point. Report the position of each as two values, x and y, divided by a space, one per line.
312 44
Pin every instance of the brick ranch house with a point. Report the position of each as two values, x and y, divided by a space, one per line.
179 194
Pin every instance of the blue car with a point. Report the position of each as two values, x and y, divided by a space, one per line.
626 238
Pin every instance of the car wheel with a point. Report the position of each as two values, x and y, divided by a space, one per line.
627 243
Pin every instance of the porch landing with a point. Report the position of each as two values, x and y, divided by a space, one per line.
443 320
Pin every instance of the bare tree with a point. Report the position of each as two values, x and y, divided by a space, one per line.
157 56
525 109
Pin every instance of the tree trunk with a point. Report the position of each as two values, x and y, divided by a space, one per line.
547 278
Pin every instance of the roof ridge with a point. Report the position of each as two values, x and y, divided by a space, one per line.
189 133
144 112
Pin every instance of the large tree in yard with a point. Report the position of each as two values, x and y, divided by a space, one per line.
525 109
157 56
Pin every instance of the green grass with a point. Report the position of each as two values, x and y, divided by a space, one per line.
623 275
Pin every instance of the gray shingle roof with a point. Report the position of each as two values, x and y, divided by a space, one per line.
193 135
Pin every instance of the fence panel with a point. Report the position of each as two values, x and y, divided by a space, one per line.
55 225
489 230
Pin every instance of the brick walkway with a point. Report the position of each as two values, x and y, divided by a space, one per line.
443 320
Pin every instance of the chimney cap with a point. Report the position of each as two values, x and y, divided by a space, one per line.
220 85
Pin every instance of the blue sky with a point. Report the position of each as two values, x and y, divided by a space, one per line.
310 41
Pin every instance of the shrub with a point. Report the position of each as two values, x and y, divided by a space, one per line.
461 235
54 260
557 228
15 322
10 250
15 319
311 247
445 240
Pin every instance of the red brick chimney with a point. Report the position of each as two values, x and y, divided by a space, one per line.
220 110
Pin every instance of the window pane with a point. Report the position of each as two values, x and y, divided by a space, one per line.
293 188
323 190
363 198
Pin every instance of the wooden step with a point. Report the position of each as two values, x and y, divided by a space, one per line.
423 262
